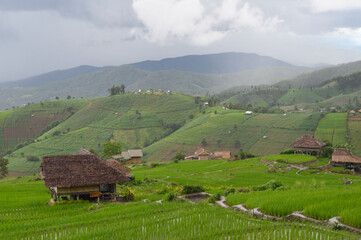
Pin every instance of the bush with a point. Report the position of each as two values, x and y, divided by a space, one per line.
170 196
129 194
31 158
288 151
229 190
214 198
192 189
271 185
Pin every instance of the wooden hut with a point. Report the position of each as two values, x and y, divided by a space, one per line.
342 157
352 112
203 154
222 155
307 144
130 156
80 177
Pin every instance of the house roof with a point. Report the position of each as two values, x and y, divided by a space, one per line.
84 151
125 155
307 141
202 151
352 112
135 153
343 155
222 154
78 170
118 166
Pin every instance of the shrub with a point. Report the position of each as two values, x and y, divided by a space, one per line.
271 185
229 190
288 151
31 158
214 198
192 189
169 196
129 194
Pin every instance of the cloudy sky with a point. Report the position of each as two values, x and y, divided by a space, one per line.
38 36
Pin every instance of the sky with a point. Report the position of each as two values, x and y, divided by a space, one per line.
38 36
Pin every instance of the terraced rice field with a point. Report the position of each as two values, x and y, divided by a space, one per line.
333 128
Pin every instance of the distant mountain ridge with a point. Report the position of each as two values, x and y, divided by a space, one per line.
53 76
229 62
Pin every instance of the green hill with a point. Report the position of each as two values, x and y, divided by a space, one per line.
233 130
134 120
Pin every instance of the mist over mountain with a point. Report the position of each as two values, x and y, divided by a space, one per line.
229 62
54 76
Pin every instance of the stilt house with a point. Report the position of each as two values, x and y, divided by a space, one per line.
307 144
80 176
342 157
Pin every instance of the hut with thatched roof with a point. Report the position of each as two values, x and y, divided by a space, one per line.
130 156
307 144
80 176
342 157
221 155
203 154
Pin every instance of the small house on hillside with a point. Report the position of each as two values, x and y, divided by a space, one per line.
203 154
307 144
342 157
352 112
130 156
82 176
222 155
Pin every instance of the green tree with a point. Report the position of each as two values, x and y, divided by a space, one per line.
3 167
204 142
114 90
110 149
179 156
122 89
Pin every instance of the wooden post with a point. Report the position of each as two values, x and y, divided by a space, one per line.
77 197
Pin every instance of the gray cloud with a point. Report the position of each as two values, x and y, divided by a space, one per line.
40 35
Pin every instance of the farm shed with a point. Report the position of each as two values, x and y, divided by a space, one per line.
203 154
222 155
80 176
307 144
342 157
130 156
352 112
248 113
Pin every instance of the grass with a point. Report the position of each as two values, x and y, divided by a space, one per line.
290 158
25 214
332 128
355 136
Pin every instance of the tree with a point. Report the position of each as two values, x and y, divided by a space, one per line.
179 156
57 98
3 167
68 97
114 90
32 158
204 142
122 89
111 149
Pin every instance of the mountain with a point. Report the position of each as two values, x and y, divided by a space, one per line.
316 78
54 76
96 84
230 62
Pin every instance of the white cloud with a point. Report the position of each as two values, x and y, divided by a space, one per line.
197 23
350 36
334 5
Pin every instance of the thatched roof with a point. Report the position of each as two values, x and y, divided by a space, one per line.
352 112
78 170
131 153
343 155
202 151
308 141
222 154
117 165
84 151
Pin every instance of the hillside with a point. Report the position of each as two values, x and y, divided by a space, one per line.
232 130
134 120
317 77
336 92
54 76
230 62
96 84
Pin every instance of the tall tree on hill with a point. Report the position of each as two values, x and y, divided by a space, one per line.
3 167
114 90
122 89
